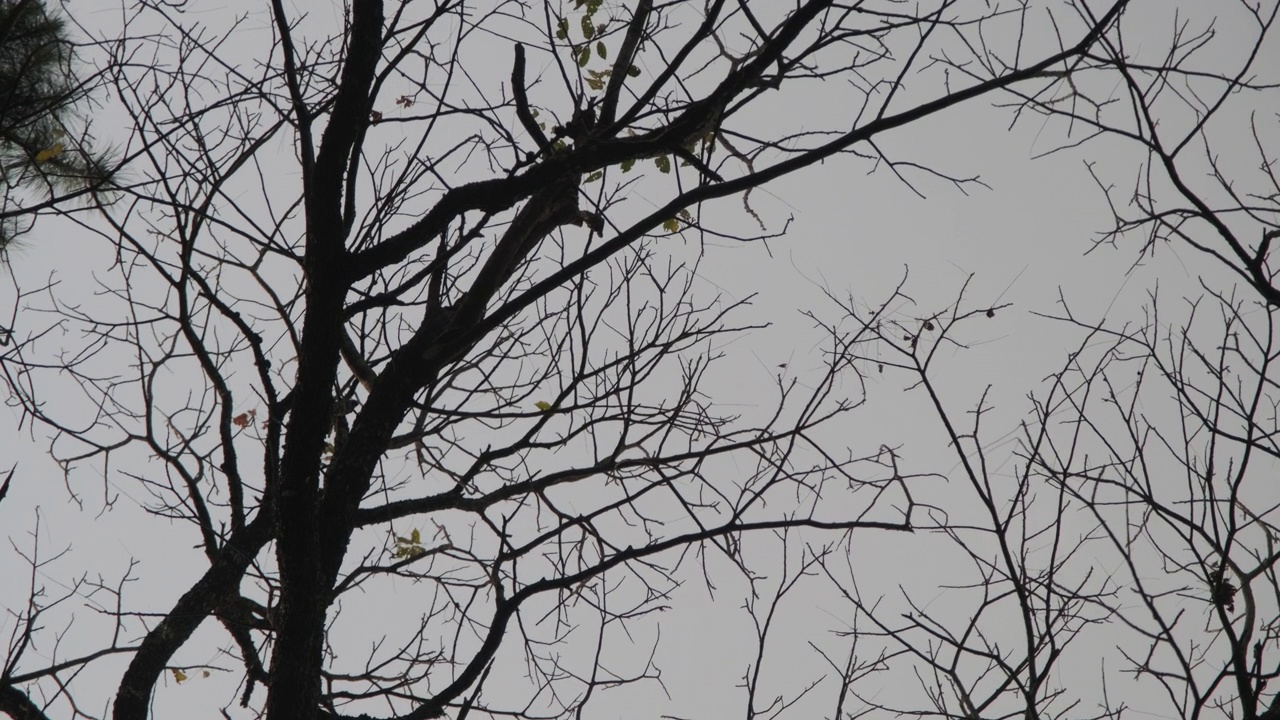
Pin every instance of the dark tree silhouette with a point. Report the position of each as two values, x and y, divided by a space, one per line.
1127 556
43 145
388 315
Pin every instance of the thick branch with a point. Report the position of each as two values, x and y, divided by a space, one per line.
350 114
16 704
737 185
219 583
297 658
622 65
441 339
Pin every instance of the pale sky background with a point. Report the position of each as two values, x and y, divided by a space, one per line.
1024 240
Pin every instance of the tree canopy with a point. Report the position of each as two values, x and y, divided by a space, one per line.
42 143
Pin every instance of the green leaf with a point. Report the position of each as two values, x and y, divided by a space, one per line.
601 50
594 176
664 163
562 29
633 71
596 78
584 55
628 164
408 547
542 405
588 27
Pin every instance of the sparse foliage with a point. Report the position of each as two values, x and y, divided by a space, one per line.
404 335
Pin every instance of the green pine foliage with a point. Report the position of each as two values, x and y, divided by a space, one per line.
43 154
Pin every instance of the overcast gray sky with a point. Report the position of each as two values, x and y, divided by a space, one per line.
1024 239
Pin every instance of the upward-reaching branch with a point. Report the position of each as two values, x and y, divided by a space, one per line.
491 363
625 60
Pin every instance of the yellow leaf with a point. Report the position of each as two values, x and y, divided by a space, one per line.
542 405
414 537
49 153
672 225
179 675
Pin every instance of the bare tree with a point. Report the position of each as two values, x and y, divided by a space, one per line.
1125 557
387 317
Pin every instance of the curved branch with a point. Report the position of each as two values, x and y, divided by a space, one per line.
522 102
133 697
